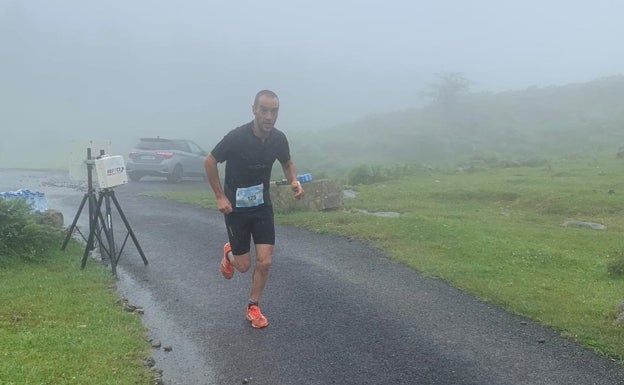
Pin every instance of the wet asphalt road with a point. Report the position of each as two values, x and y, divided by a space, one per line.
340 312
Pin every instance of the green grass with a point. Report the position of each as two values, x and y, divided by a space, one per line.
498 234
63 325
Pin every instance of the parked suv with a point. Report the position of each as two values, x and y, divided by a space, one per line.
170 158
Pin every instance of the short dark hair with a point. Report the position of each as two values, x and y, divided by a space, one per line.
265 93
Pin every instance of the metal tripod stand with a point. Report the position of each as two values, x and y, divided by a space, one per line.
100 223
107 196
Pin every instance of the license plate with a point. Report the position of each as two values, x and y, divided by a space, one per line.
148 157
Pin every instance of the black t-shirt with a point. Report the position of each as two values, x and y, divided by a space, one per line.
249 161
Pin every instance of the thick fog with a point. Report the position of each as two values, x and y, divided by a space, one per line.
119 70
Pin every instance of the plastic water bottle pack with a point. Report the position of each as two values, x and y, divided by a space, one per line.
304 178
36 199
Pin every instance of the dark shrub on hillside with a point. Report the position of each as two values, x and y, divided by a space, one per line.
365 174
615 266
21 237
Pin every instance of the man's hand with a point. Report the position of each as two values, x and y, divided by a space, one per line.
297 189
224 205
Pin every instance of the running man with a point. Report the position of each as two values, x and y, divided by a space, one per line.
249 152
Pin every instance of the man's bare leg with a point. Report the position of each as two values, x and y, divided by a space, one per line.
264 254
241 263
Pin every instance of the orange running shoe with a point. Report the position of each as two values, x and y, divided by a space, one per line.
227 270
254 315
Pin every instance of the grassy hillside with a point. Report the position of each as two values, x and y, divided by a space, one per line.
575 119
498 234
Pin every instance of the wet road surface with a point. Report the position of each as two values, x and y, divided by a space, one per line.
340 312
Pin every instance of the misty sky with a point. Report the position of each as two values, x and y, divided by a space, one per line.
120 70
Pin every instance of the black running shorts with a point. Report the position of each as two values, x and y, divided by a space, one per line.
242 226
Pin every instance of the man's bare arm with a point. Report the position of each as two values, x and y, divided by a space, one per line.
290 174
212 172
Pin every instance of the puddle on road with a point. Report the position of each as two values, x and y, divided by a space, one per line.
183 364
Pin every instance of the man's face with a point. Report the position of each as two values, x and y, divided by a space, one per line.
265 113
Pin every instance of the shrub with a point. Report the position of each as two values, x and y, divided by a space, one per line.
615 266
365 174
21 236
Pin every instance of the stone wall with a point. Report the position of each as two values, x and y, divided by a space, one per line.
319 195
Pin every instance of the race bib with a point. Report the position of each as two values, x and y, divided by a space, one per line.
250 196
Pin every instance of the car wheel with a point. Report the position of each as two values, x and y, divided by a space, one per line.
176 174
135 176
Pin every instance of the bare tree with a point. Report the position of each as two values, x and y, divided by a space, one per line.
445 90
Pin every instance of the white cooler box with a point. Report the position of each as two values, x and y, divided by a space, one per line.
111 171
